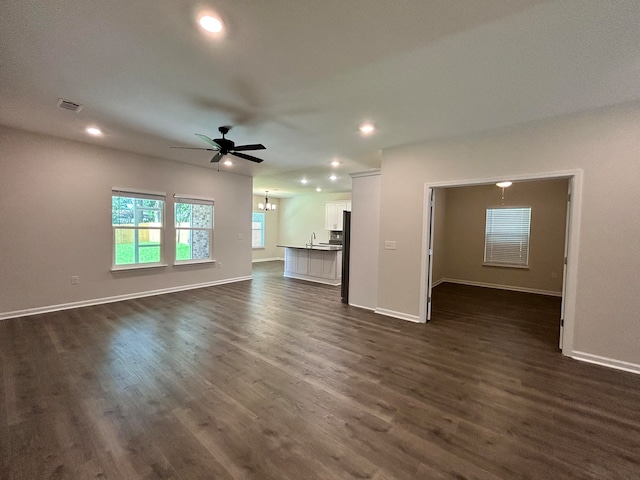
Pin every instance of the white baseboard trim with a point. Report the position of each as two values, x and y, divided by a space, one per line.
258 260
606 362
550 293
333 283
117 298
437 282
400 315
362 306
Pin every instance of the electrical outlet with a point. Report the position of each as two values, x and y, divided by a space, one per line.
241 236
75 279
219 264
389 245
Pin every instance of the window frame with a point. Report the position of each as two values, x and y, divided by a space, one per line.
263 225
144 195
488 260
193 200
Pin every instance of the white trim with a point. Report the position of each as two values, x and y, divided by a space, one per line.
136 266
193 262
333 283
570 293
362 307
550 293
272 259
367 173
137 191
400 315
606 362
116 298
438 282
179 196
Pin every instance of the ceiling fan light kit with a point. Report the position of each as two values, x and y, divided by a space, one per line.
223 146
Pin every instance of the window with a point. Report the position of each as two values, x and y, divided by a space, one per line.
257 230
194 229
137 221
507 237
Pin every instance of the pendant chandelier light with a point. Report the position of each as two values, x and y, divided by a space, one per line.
266 205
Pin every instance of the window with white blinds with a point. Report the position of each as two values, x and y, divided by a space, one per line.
506 241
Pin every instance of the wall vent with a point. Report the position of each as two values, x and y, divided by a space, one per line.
67 105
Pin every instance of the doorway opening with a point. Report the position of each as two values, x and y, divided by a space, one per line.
551 268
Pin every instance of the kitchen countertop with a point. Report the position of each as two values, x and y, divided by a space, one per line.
314 247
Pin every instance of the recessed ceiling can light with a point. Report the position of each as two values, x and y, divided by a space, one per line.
335 163
504 184
367 128
228 163
304 181
333 178
211 24
318 189
96 132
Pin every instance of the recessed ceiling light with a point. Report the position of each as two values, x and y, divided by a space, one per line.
333 178
367 128
304 181
96 132
335 163
318 189
504 184
228 163
211 24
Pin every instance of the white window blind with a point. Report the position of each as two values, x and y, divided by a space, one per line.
507 236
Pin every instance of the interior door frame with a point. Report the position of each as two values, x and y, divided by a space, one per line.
569 292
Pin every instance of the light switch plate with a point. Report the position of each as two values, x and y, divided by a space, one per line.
389 244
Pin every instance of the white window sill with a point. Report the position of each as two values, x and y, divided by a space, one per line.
193 262
138 266
502 265
257 248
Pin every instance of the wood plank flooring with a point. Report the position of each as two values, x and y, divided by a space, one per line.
274 378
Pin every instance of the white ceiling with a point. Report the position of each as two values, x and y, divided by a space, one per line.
300 76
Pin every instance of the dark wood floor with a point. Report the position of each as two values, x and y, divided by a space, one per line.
276 379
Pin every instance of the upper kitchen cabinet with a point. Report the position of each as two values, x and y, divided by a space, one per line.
333 214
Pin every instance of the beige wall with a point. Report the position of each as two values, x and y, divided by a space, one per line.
464 233
605 146
304 214
271 231
365 234
55 212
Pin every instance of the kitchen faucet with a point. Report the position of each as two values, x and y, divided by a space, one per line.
313 235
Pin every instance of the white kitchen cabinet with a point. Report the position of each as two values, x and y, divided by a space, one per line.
318 264
333 214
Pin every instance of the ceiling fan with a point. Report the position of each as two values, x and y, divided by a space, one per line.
223 146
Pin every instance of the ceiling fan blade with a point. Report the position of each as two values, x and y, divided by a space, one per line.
242 148
247 157
197 148
216 158
208 140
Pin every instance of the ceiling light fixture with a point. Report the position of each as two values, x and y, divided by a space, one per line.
269 207
228 163
367 128
304 181
503 185
335 163
318 189
211 24
333 178
96 132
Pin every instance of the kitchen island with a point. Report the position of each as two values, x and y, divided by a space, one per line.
317 263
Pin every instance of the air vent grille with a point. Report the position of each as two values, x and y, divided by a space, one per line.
67 105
